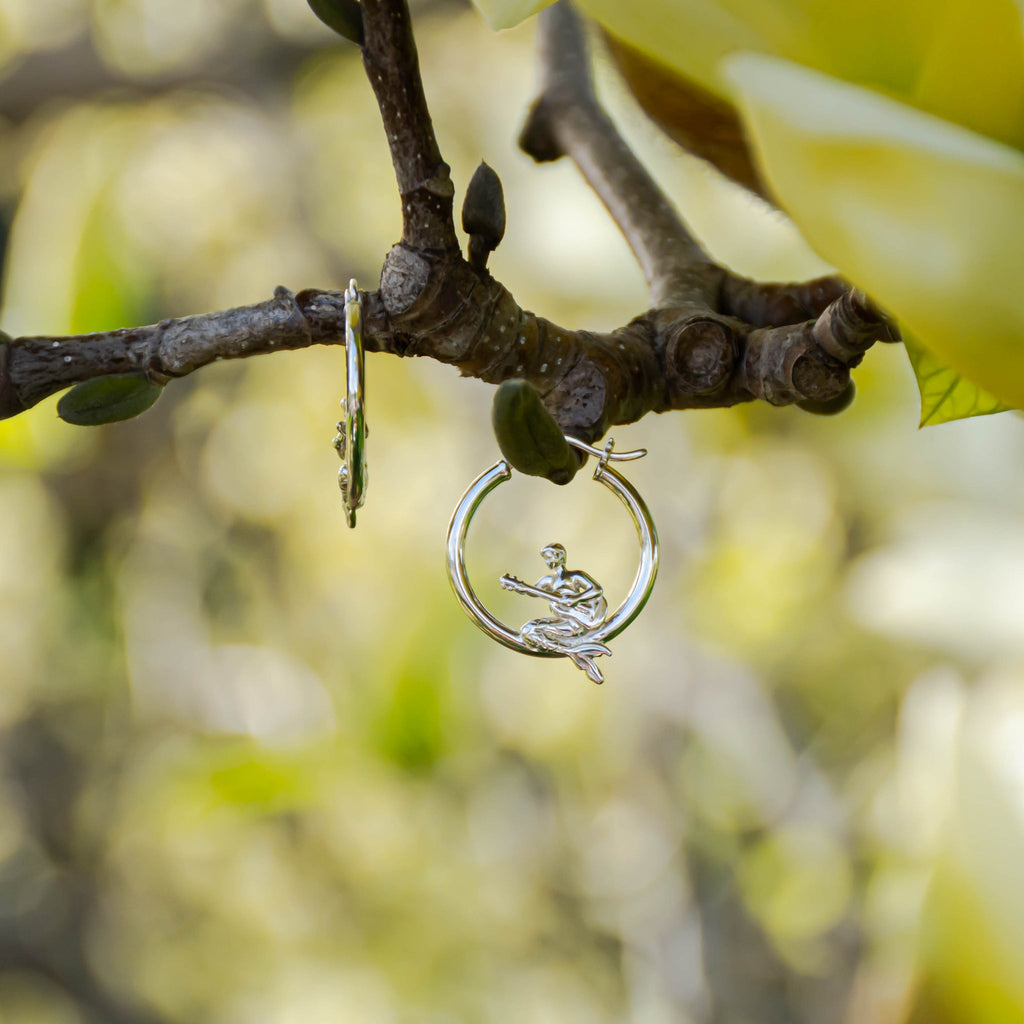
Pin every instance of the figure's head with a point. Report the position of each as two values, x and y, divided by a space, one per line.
553 555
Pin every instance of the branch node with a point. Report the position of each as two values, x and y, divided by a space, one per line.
783 365
700 356
816 377
404 278
830 406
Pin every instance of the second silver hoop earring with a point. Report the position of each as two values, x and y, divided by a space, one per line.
350 442
579 625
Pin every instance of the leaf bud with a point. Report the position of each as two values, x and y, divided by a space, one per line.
108 399
344 16
528 436
483 214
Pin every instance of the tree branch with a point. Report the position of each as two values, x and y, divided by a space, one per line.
424 179
33 368
712 339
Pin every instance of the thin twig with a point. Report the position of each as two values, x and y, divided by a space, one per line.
774 305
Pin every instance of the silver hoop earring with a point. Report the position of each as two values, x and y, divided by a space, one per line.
579 625
350 442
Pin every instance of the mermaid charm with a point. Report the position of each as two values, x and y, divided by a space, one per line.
578 610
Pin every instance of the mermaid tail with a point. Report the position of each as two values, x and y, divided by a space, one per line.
586 663
583 658
543 637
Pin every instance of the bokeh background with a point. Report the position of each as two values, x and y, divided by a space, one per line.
257 768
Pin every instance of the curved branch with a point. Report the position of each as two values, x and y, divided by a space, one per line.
567 120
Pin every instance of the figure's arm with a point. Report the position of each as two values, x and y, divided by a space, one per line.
594 590
543 588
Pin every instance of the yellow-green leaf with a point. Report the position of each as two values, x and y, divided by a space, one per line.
926 216
506 13
945 395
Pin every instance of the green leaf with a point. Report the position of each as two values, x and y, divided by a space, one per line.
344 16
108 399
945 395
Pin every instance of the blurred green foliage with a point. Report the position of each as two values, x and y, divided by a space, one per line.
258 767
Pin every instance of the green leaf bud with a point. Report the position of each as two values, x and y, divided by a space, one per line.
483 214
344 16
528 436
108 399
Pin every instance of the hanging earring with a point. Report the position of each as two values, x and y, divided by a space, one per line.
350 442
579 625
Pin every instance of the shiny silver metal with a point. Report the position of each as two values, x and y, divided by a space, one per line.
350 442
579 626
